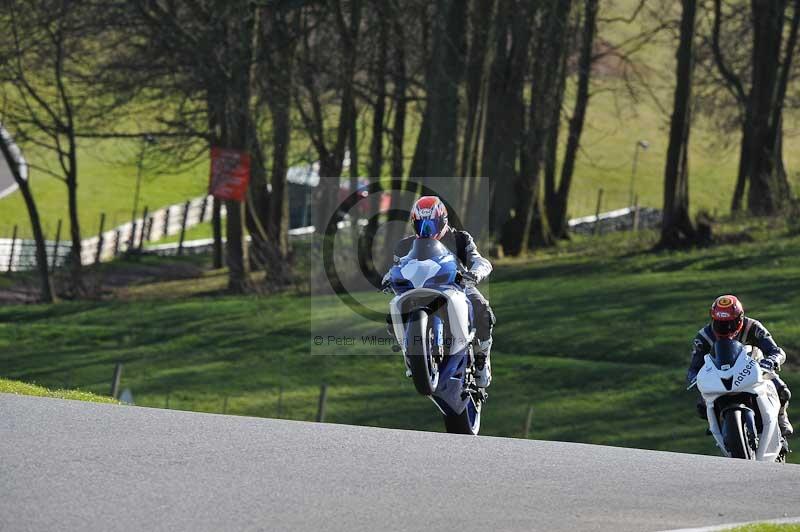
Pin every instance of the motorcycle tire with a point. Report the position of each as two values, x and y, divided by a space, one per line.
424 371
735 435
467 422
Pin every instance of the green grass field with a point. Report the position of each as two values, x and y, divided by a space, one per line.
106 183
21 388
767 527
593 337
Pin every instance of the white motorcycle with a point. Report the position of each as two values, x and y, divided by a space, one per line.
742 403
431 318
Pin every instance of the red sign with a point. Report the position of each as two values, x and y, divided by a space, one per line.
230 174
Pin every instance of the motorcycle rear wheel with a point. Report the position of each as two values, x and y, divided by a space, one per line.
467 422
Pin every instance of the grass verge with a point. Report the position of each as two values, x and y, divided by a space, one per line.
767 527
21 388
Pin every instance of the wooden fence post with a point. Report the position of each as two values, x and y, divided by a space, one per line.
142 232
323 399
100 238
528 421
117 235
203 208
597 211
165 232
183 226
115 380
149 232
132 237
13 246
54 260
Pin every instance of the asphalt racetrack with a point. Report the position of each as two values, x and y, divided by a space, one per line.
68 465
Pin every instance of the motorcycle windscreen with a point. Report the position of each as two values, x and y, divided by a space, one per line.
726 352
426 248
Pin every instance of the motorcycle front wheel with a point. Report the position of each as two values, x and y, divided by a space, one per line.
424 371
736 435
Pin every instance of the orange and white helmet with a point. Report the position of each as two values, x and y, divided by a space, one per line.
429 217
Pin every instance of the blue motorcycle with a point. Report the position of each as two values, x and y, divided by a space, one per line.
431 318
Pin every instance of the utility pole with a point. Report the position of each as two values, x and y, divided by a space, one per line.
146 141
643 144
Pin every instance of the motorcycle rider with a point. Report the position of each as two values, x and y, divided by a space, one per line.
429 220
728 321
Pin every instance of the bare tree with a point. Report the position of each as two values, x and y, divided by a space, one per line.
769 187
748 66
546 92
504 123
326 73
18 171
557 200
45 47
201 58
677 228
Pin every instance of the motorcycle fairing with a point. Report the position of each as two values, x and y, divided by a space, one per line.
744 376
457 313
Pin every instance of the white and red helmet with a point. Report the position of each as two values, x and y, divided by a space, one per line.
429 217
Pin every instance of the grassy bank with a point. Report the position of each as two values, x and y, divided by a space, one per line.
21 388
767 527
595 341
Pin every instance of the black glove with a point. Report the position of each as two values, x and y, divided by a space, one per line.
767 364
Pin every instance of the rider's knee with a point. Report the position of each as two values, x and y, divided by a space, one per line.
784 393
485 322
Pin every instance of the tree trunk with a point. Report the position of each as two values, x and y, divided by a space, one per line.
234 248
442 93
544 85
258 201
354 213
216 225
366 256
236 135
75 264
558 207
326 194
481 23
504 124
767 179
278 225
744 166
734 85
395 228
45 283
677 228
550 150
